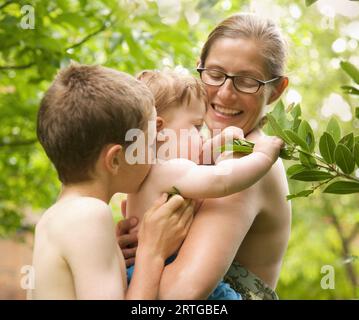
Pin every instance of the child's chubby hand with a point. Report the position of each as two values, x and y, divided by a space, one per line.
212 146
231 133
270 146
165 226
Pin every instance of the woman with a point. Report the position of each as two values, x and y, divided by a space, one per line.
249 231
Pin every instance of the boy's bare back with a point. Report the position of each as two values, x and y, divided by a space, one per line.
78 231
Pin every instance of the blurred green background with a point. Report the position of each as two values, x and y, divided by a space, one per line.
135 35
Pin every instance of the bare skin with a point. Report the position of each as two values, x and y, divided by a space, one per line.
200 181
252 226
75 252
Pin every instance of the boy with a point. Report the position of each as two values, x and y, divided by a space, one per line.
181 106
82 123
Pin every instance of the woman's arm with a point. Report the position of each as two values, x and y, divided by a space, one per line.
163 228
209 248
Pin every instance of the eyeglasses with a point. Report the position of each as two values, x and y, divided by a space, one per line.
241 83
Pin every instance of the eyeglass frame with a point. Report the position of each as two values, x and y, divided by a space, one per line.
226 76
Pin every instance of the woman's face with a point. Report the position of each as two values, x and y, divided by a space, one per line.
228 107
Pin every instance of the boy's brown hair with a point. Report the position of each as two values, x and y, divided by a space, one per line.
86 108
171 89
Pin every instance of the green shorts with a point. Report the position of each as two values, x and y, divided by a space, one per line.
248 284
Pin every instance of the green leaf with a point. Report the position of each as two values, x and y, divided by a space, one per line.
342 187
307 161
344 158
356 153
311 175
310 2
173 192
327 147
333 129
280 115
277 129
306 133
236 148
350 90
357 112
296 113
348 141
296 139
295 168
304 193
286 153
351 70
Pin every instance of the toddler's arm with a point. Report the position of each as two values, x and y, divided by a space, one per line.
225 178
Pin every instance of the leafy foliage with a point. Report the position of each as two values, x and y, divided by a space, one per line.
132 35
338 156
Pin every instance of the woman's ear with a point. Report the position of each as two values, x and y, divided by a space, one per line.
278 89
114 158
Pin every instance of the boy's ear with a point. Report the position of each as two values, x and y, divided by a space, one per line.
114 158
278 90
160 123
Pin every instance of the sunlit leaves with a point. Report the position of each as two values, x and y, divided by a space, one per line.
333 129
342 187
311 175
277 129
344 158
310 2
356 153
327 147
301 194
351 70
297 139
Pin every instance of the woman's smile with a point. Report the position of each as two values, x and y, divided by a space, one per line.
224 113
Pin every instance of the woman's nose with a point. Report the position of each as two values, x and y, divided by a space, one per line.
227 92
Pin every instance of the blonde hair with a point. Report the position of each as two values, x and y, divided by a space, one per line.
251 26
171 89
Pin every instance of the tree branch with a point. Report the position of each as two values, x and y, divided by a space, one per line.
88 37
354 232
18 143
19 67
345 252
81 42
5 4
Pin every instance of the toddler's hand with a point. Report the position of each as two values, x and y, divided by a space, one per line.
212 146
270 146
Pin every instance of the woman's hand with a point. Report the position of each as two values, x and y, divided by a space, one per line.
164 226
126 239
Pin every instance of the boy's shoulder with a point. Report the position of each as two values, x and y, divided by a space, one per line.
69 216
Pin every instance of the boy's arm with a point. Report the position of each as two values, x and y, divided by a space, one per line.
90 250
227 177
